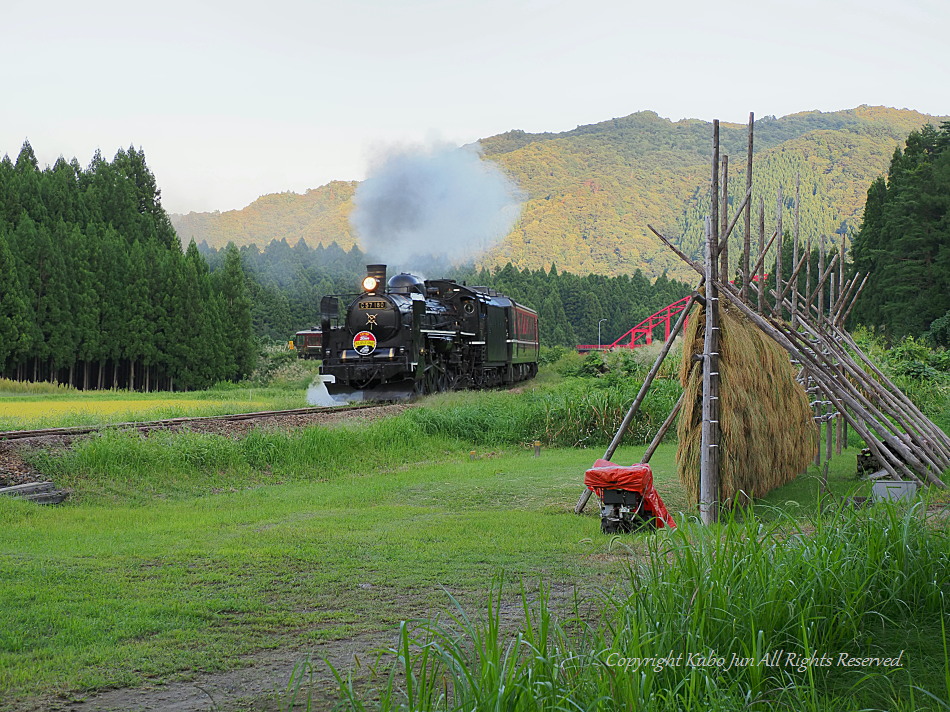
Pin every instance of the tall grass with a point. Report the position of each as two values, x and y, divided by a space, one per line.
128 465
575 412
741 616
8 387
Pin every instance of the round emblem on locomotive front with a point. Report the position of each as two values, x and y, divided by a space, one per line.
364 343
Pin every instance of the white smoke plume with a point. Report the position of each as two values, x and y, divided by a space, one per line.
435 202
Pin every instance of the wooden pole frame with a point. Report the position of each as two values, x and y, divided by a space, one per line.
747 236
644 388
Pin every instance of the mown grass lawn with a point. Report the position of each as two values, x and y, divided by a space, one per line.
111 589
118 587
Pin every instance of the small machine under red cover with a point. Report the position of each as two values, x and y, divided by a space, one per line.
636 478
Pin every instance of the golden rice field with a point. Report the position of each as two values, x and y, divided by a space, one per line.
25 405
38 409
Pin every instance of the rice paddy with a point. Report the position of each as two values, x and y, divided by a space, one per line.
45 405
26 412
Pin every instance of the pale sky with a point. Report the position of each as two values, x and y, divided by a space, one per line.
235 99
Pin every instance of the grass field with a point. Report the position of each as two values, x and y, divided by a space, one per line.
187 552
155 569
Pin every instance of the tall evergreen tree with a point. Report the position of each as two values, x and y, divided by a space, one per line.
904 242
14 324
231 284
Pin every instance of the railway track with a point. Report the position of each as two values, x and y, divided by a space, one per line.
172 422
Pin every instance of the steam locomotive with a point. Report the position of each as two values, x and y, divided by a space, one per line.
410 337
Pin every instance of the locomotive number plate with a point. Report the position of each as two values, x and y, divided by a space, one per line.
366 306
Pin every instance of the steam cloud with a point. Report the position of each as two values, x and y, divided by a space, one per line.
436 202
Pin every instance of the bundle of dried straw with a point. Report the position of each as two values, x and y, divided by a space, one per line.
767 435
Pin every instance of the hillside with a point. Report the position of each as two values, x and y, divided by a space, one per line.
591 191
319 216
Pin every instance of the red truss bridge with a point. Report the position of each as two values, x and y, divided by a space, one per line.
642 334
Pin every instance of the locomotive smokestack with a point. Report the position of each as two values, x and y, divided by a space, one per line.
377 271
375 280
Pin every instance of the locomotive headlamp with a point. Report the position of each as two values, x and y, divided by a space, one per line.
369 284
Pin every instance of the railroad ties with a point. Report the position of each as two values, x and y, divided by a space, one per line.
39 492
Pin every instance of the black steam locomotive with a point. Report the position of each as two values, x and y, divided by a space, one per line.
412 337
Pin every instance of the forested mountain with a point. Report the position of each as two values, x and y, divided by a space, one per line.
320 217
592 191
904 242
95 289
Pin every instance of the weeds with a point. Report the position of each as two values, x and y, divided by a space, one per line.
124 464
8 387
746 615
574 413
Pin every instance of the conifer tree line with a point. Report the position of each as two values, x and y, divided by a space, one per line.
570 306
904 242
287 282
96 291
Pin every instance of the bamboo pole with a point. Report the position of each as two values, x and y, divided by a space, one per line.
709 448
723 243
841 255
844 429
747 238
808 275
798 201
760 269
777 308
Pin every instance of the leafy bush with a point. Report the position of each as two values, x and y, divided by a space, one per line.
279 367
916 370
552 354
939 333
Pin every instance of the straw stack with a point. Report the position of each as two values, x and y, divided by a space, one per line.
766 426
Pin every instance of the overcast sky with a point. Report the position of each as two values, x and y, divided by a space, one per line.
231 100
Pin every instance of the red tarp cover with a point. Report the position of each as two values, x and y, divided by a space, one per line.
636 478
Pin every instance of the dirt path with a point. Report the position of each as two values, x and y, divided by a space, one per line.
261 685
